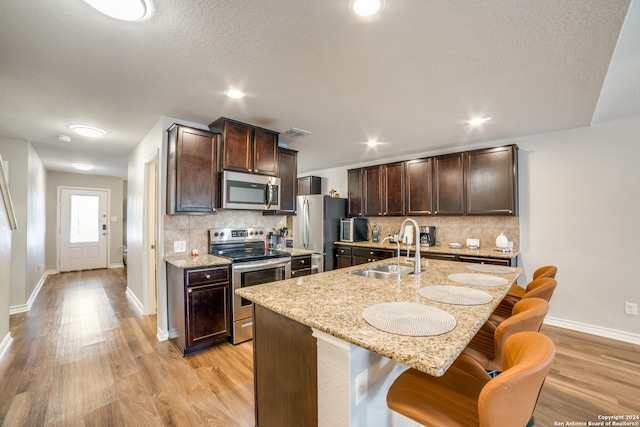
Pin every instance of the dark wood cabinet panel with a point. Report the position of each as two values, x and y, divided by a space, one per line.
308 185
354 196
300 265
372 190
199 304
288 171
343 256
419 184
482 260
394 188
449 184
247 148
285 371
491 181
191 171
364 255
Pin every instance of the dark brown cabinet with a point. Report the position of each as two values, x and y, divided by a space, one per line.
419 183
372 190
343 256
191 171
354 196
247 148
449 184
491 181
300 265
483 260
393 188
199 307
364 255
288 171
308 185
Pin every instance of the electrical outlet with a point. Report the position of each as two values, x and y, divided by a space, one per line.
631 308
362 386
179 246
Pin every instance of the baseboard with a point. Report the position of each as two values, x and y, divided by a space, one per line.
5 344
135 300
116 265
162 335
23 308
593 330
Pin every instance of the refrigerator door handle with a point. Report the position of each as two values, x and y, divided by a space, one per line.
307 224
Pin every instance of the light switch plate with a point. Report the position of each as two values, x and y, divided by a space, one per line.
179 246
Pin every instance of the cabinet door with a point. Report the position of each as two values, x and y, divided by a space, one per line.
372 189
208 313
480 260
192 174
354 183
265 152
419 183
393 177
449 184
288 172
237 147
491 181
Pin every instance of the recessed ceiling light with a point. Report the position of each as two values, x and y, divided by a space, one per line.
125 10
64 138
234 93
372 143
478 121
83 166
88 131
366 8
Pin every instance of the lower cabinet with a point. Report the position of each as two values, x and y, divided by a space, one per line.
343 256
300 265
199 307
482 260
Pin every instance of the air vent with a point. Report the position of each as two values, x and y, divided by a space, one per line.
295 133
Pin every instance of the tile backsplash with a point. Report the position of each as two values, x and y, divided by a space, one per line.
194 229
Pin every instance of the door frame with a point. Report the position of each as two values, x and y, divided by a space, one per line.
59 220
150 237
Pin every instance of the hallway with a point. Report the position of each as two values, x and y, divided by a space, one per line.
84 355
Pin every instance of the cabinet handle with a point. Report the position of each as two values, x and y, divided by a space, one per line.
302 261
208 276
190 290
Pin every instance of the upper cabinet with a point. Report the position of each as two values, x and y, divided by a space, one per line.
191 171
479 182
448 184
247 148
419 178
288 172
491 181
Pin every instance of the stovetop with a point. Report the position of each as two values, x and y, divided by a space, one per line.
242 244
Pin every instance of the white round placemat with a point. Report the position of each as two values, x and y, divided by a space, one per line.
455 295
478 279
489 268
409 318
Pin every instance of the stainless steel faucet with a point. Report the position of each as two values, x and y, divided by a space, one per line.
398 257
417 268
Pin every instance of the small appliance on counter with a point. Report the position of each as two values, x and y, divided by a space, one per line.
427 236
354 229
375 234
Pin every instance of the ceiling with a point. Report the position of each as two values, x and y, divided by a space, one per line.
409 78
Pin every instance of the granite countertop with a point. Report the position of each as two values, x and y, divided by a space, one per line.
203 260
333 302
297 251
487 252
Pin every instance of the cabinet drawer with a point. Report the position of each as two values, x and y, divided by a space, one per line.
300 272
480 260
207 275
444 257
372 253
301 262
341 250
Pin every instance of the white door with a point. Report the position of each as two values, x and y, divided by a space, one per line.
83 229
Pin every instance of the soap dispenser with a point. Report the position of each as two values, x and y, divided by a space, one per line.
502 242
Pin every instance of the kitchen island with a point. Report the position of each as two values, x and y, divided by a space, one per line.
312 329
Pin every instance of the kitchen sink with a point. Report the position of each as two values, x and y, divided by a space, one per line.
382 271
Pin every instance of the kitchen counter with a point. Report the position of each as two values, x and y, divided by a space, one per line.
333 302
297 251
203 260
483 252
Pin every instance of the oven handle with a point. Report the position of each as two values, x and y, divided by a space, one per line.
247 266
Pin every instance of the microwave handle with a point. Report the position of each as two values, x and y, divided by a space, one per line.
269 194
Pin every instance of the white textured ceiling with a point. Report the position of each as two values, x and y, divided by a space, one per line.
410 78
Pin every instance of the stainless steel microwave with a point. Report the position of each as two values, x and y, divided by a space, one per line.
354 229
247 191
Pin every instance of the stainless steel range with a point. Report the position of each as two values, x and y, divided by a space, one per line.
252 264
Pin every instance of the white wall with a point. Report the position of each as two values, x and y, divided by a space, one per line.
579 208
27 181
56 179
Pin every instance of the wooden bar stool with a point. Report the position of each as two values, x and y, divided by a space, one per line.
516 292
466 396
542 287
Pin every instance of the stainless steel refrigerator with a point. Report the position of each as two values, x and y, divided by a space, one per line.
316 227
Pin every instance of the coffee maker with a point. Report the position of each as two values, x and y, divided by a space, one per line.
427 235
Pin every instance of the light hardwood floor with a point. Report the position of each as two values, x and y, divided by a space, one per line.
84 356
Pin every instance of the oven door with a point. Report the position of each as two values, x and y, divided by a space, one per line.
250 274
